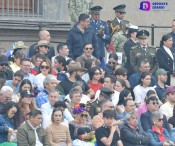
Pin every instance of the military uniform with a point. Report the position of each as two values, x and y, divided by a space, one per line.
118 31
77 7
139 53
102 26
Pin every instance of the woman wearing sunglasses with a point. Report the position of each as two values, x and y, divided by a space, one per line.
80 129
57 133
95 76
9 121
159 135
45 69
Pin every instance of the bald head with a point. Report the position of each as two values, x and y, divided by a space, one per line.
44 35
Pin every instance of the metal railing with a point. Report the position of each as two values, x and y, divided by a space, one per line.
32 10
153 27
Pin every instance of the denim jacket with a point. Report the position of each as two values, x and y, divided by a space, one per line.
5 122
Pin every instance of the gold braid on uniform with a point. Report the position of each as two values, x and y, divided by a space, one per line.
114 29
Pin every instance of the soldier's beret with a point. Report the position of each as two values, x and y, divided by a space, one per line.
120 8
96 9
143 34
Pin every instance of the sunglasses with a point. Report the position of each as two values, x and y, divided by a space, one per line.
160 119
84 115
111 107
43 46
97 73
4 64
155 102
46 67
112 63
88 48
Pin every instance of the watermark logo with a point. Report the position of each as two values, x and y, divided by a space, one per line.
145 5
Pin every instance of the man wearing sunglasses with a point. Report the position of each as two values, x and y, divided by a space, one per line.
146 118
101 29
87 54
5 70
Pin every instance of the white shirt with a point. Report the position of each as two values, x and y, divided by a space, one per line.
84 98
168 51
167 109
140 93
114 97
40 78
52 60
47 110
38 143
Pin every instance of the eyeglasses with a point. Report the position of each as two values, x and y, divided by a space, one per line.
43 46
7 98
46 67
4 64
97 73
112 63
160 119
155 102
84 115
88 48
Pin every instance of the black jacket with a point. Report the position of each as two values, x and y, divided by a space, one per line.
132 137
164 60
77 39
127 48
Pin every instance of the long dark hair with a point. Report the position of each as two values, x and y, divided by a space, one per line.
164 38
123 93
55 110
6 109
143 75
25 81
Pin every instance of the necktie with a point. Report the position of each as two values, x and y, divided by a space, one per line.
144 48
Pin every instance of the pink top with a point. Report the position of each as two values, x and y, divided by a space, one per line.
142 109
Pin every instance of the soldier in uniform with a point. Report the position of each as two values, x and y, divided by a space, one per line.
77 7
143 52
102 31
95 106
118 29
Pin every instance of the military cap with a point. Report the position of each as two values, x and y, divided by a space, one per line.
120 8
96 9
143 34
133 28
106 91
19 45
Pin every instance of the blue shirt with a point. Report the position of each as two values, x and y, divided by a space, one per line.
9 83
161 92
32 78
4 124
41 98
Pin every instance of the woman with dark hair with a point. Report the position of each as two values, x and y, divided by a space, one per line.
60 66
111 66
120 85
95 76
25 85
9 122
143 87
44 70
89 63
166 55
15 66
80 129
26 104
57 133
124 94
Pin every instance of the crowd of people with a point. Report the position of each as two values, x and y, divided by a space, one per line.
77 98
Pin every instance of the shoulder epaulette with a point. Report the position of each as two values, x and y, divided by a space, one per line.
134 47
152 47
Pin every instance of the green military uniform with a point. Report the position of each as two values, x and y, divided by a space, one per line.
77 7
139 53
95 108
118 30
